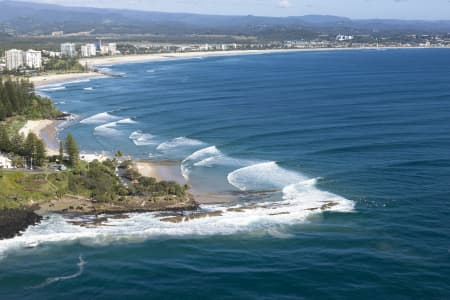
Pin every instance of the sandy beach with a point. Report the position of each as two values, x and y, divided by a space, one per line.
42 80
161 170
46 130
122 59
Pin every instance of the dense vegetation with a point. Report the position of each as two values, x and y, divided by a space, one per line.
63 65
17 97
95 180
145 186
23 150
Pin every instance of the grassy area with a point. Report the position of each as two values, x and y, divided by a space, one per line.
19 189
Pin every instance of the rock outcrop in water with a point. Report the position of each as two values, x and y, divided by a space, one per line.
15 221
81 205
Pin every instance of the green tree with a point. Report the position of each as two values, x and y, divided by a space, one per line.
61 152
119 154
34 149
17 144
72 150
41 152
5 143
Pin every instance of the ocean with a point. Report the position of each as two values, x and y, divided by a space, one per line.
365 133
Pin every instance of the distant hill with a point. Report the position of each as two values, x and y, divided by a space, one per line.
24 17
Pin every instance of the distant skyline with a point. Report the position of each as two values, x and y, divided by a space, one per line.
356 9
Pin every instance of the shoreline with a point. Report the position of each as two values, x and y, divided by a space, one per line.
50 79
46 130
142 58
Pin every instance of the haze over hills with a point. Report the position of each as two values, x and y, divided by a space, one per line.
18 18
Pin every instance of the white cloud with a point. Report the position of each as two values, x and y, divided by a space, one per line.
284 3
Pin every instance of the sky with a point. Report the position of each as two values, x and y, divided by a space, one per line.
357 9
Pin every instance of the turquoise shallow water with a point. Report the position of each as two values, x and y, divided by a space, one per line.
368 130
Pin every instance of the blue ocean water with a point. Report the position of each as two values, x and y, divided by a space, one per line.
365 130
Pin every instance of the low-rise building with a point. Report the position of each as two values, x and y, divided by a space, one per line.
343 38
57 33
5 162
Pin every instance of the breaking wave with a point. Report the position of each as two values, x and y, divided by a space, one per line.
263 176
109 128
99 118
207 157
295 198
179 142
142 139
50 89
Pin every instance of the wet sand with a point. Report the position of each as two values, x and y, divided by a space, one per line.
161 170
140 58
46 130
42 80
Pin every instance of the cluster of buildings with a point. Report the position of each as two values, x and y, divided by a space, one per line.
16 59
89 50
344 38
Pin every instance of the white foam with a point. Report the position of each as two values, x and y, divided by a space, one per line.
178 143
297 203
109 128
77 81
105 70
51 280
60 86
99 118
276 233
56 88
263 176
126 121
142 139
202 155
207 158
88 88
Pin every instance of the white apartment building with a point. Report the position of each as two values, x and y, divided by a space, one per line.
204 48
110 49
68 49
343 38
88 50
33 59
14 59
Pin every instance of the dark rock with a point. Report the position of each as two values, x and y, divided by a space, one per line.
15 221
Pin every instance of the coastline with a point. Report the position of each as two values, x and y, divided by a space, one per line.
46 130
141 58
43 80
161 170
